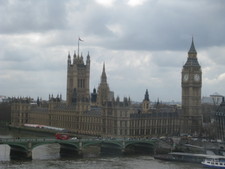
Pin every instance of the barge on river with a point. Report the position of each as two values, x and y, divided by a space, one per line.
183 157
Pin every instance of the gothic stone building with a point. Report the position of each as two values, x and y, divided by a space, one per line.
159 120
191 83
100 114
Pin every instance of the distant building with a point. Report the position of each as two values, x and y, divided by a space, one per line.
220 121
210 106
214 99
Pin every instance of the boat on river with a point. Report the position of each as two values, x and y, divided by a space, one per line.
214 162
182 157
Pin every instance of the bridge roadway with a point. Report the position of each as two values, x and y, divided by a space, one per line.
22 147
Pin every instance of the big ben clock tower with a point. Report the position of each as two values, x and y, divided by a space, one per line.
191 83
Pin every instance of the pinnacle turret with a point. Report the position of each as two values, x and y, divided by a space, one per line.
69 58
103 77
146 95
88 60
74 56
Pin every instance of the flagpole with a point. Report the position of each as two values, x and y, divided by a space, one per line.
79 39
78 47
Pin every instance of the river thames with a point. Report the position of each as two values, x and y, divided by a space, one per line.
47 157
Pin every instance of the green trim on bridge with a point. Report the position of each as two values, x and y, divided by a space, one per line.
29 143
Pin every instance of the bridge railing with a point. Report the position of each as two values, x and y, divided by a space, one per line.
3 140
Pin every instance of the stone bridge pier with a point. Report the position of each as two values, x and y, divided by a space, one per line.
22 148
18 152
69 150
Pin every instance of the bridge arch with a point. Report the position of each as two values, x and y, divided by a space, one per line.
25 146
46 151
127 143
139 146
90 143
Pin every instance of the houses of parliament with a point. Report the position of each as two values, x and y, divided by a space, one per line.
99 113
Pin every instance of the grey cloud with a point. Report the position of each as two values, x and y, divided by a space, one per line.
161 30
169 59
31 16
158 25
16 55
29 59
32 84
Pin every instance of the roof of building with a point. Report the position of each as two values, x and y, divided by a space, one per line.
213 99
192 62
192 48
192 59
221 110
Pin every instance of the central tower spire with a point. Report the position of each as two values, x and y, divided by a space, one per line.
103 89
103 77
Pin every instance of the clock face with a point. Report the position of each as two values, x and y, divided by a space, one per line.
196 77
186 77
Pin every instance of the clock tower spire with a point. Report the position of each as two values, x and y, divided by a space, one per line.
191 83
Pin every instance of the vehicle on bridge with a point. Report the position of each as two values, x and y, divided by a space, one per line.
62 136
45 127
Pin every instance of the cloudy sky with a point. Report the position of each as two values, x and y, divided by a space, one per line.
144 44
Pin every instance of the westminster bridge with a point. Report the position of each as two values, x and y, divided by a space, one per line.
21 148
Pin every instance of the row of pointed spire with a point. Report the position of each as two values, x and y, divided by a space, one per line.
78 59
21 99
52 97
192 60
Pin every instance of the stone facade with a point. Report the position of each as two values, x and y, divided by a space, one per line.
191 83
78 79
100 114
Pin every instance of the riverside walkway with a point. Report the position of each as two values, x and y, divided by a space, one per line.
22 147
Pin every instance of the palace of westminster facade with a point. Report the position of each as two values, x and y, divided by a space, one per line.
100 114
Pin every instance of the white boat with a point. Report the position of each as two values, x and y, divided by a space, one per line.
214 162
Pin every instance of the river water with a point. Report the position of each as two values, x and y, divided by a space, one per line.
47 157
